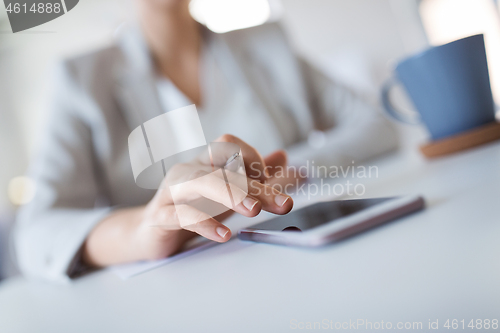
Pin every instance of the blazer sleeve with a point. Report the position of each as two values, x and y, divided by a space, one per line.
350 129
51 229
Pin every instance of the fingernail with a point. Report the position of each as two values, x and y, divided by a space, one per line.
249 203
280 200
222 231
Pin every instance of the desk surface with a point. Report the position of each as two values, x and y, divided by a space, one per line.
442 263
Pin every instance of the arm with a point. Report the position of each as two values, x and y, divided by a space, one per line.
51 229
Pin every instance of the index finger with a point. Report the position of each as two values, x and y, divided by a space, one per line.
254 162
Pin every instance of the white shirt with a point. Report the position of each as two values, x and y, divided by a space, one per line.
229 105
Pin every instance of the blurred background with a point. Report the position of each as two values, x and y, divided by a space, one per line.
357 41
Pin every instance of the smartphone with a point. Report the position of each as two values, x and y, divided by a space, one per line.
330 221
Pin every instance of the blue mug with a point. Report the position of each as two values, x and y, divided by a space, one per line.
449 86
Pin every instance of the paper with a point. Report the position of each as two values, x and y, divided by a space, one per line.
126 271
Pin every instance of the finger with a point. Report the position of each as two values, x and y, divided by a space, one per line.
272 199
286 182
163 196
178 174
201 223
254 163
281 175
184 217
212 186
276 160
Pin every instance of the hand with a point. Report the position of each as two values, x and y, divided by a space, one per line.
281 176
173 215
170 212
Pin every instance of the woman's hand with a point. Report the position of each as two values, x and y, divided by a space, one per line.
193 201
282 177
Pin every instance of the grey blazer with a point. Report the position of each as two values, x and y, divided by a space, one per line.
82 169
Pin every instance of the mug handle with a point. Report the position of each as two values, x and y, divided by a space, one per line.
390 109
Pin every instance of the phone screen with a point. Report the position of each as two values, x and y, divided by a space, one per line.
315 215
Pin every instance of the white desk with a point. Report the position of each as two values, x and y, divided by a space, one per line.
443 263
